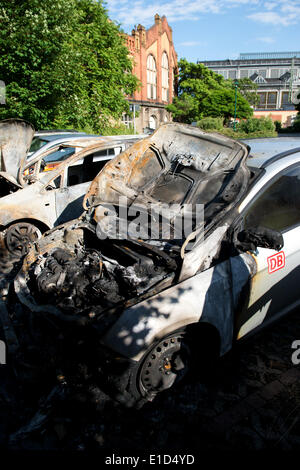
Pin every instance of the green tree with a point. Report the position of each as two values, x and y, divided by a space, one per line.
221 102
203 93
248 90
65 64
31 37
100 85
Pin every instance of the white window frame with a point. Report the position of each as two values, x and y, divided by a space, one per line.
151 77
164 77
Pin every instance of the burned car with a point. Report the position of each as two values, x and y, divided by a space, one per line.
152 304
33 202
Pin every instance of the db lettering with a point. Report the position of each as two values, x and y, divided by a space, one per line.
276 262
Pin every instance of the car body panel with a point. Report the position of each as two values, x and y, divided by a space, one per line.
31 203
265 148
273 292
210 296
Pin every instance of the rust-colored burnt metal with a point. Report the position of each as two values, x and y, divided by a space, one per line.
117 173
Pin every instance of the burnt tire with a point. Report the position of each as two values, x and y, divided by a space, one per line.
19 236
163 365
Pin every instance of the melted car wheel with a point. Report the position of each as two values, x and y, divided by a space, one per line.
19 236
166 364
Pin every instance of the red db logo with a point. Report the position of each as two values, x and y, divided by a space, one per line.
276 262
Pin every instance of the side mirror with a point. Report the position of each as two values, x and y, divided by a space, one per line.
253 237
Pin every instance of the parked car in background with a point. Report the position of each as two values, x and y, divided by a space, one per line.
150 308
42 138
62 146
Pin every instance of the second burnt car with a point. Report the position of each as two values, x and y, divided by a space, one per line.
33 202
149 308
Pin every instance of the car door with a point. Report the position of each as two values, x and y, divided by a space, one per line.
275 286
78 176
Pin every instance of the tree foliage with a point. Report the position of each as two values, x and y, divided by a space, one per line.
248 90
64 63
204 93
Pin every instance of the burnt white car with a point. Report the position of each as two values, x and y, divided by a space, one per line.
150 308
33 202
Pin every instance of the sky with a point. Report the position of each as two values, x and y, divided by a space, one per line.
217 29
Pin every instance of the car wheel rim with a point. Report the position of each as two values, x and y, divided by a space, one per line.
166 364
20 236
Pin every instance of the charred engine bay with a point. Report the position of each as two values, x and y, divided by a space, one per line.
54 357
87 276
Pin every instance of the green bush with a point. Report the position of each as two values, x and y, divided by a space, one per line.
250 128
278 126
244 135
296 124
211 123
262 124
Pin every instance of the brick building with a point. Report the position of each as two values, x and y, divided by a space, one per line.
277 75
155 64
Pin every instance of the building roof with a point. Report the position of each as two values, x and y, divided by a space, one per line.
268 55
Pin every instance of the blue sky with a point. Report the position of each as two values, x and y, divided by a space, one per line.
217 29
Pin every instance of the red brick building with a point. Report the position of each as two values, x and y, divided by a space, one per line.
155 64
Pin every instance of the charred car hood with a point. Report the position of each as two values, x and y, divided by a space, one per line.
15 139
178 165
172 145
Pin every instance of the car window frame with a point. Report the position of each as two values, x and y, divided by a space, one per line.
57 149
265 188
107 158
77 155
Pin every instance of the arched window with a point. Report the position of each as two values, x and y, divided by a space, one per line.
165 77
151 77
152 122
